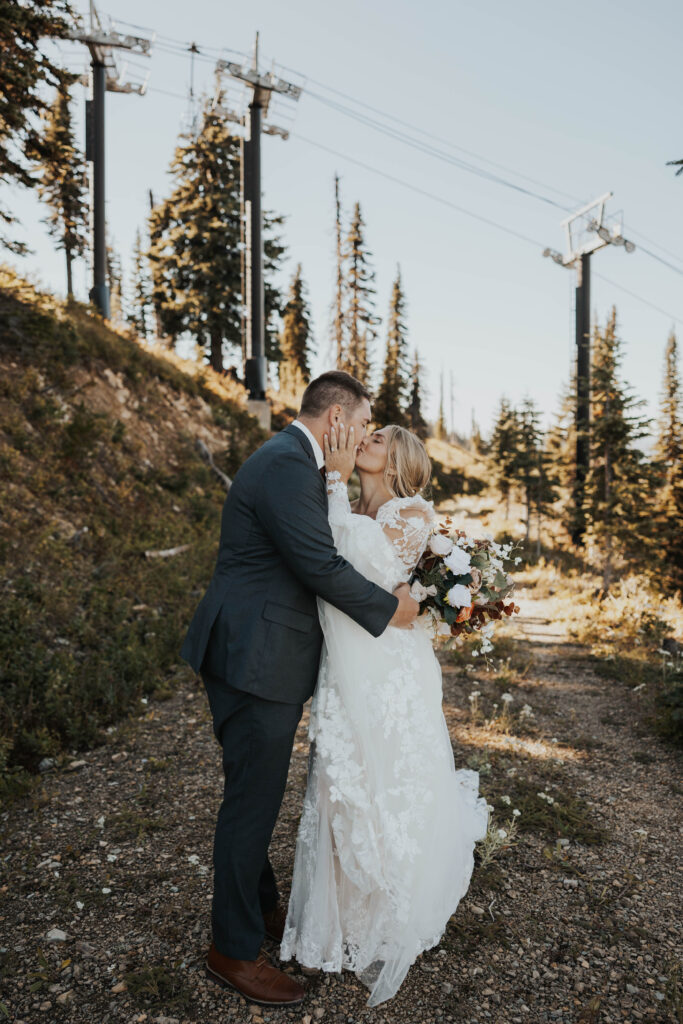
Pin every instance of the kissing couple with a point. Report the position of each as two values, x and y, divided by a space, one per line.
310 598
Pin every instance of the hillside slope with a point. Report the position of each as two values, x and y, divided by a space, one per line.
99 464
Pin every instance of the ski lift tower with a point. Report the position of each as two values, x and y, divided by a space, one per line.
105 78
587 230
262 87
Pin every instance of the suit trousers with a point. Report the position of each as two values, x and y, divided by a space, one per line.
257 737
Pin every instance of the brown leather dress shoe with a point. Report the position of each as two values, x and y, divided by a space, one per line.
257 980
274 921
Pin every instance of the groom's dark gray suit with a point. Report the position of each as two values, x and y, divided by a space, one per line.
256 639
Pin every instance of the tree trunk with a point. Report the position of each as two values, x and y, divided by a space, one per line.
216 359
69 276
607 569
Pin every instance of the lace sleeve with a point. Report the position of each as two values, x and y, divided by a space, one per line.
338 506
408 522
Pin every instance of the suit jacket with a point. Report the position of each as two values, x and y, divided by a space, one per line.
257 625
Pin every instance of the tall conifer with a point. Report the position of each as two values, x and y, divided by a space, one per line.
669 514
140 315
503 451
63 183
560 454
295 370
415 419
360 314
195 245
25 69
339 318
619 484
392 395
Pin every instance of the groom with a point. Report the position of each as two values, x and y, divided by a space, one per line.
256 640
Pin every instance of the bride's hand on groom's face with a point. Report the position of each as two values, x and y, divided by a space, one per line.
340 451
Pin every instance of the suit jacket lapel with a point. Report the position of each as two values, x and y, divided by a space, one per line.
303 440
308 448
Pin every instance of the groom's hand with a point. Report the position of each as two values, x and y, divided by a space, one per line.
407 610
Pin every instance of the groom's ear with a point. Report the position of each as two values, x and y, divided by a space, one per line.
335 414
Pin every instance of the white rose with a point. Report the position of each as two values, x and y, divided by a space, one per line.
417 591
458 561
443 629
439 544
459 596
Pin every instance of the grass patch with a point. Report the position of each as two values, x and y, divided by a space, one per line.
88 624
131 824
568 816
159 987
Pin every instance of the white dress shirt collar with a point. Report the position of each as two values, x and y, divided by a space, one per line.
317 450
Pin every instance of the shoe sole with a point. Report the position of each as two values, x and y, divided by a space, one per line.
224 983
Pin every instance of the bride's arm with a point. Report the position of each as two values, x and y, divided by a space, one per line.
408 523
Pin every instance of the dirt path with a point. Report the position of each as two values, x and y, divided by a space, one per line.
106 880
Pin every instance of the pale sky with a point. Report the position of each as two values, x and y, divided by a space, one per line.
567 101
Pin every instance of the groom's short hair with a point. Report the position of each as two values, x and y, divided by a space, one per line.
332 388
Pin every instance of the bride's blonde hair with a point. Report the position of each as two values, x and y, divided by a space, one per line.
408 468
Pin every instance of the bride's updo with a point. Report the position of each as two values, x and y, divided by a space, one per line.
408 468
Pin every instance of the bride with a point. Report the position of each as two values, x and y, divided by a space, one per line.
384 850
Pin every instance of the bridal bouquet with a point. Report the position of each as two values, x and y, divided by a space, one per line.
462 586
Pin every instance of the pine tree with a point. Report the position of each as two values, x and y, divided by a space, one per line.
560 455
503 451
618 494
195 245
669 467
338 321
25 70
440 428
526 458
532 468
295 371
63 184
414 417
115 283
140 314
393 393
360 314
273 299
195 241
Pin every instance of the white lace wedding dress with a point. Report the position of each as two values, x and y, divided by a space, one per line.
384 850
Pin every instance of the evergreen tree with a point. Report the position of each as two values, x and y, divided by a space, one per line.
273 299
440 428
339 319
560 456
669 513
360 315
414 418
115 283
295 371
393 393
24 72
526 457
63 184
140 314
619 484
532 468
195 246
503 451
195 241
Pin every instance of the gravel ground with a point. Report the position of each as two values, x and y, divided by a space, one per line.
106 870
